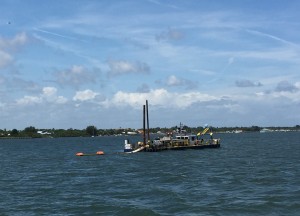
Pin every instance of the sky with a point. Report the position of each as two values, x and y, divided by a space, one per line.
70 64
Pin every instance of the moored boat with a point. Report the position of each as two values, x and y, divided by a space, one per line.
180 140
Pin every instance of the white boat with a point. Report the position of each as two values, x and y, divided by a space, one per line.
265 130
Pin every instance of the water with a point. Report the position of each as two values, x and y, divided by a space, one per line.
251 174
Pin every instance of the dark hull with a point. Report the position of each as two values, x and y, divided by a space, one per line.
162 148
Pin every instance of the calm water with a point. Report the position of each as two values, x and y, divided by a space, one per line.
251 174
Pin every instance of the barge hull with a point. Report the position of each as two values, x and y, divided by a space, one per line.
155 149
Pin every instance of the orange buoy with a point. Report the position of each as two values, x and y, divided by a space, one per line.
100 153
79 154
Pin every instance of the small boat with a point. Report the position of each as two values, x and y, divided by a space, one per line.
180 141
265 130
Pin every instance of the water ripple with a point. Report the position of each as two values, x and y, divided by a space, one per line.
251 174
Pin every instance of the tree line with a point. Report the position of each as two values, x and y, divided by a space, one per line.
32 132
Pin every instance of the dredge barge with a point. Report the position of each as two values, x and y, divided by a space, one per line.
180 140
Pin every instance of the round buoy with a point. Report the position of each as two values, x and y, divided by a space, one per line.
100 153
79 154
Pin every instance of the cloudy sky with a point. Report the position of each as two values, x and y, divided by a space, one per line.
70 64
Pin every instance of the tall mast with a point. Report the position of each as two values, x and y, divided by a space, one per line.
148 133
144 124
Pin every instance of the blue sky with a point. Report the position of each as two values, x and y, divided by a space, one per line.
70 64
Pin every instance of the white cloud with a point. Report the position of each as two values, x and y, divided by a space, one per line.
160 98
5 59
61 100
29 100
284 91
49 91
75 76
48 95
8 46
218 108
121 67
85 95
173 81
291 96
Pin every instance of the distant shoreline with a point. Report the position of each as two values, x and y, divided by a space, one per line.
61 133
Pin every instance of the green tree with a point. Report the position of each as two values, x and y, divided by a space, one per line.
30 131
255 128
91 130
14 132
